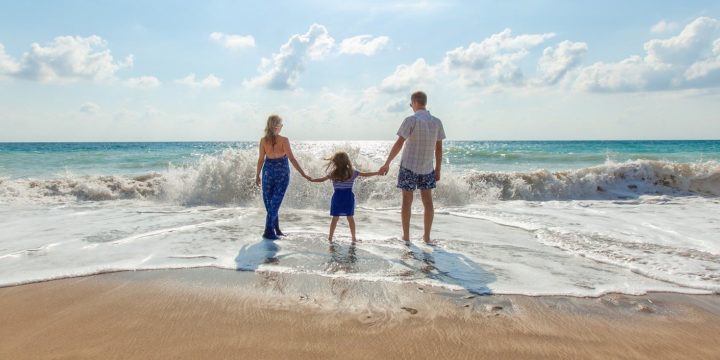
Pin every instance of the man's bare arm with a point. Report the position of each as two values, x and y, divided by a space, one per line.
438 159
393 153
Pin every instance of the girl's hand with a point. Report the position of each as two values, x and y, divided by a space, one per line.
257 180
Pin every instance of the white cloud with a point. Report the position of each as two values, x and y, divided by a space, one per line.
89 108
692 42
211 81
322 44
707 68
631 74
233 41
500 46
491 62
556 62
664 27
67 58
7 64
398 106
281 72
406 77
493 59
143 82
687 60
363 44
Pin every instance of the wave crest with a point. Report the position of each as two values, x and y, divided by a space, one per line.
608 181
228 178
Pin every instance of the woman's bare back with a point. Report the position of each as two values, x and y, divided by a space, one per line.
278 150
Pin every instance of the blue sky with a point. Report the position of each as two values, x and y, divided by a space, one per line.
214 70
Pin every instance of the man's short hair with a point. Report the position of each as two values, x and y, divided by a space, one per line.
419 97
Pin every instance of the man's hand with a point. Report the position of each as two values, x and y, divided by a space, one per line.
393 153
384 169
437 174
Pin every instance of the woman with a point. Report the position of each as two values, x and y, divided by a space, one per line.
273 161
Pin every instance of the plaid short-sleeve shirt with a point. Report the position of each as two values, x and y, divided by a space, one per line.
421 131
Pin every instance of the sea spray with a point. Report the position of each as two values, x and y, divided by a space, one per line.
228 178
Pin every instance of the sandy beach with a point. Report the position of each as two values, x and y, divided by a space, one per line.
212 313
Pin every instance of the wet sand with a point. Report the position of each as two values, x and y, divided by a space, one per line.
212 313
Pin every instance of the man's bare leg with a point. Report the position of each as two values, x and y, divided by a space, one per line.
407 199
429 213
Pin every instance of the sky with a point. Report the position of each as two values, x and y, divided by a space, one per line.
215 70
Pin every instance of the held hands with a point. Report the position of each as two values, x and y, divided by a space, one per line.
384 169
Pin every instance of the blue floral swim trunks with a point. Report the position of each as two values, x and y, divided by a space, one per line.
409 181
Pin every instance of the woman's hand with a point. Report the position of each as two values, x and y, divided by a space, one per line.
257 180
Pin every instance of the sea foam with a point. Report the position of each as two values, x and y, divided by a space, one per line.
228 178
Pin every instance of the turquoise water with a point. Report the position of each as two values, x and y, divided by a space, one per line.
43 160
561 155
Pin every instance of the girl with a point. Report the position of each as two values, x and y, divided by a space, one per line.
340 171
273 161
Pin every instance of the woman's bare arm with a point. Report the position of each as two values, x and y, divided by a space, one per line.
261 159
292 159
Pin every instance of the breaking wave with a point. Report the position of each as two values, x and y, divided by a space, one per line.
227 178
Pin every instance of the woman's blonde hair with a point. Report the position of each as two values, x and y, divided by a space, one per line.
339 167
270 135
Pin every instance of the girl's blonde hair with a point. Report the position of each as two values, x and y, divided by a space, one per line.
270 135
339 167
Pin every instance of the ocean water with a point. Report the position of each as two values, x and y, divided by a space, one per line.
580 218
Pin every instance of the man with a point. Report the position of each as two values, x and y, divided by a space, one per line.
422 135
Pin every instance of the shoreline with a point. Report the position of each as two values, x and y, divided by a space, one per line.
696 292
214 313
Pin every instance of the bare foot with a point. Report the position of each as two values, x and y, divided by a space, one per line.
427 240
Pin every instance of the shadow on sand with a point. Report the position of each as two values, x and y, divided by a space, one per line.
252 256
422 261
450 267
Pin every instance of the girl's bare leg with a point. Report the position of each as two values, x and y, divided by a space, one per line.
333 223
351 222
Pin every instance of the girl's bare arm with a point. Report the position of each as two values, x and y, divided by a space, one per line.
324 178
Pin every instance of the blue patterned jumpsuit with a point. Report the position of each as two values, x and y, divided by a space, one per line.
275 180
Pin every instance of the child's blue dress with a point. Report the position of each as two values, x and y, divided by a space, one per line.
343 199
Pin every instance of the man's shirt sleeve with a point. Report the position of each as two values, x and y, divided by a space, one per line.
407 127
441 131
